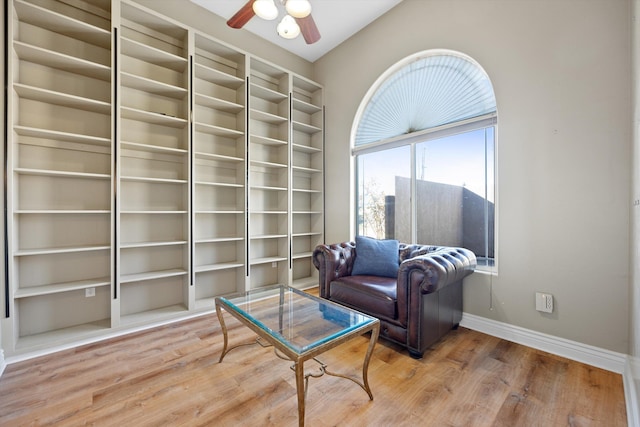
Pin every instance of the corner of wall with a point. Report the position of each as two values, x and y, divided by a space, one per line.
3 14
631 374
634 250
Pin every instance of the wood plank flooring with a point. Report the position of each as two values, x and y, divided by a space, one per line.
170 376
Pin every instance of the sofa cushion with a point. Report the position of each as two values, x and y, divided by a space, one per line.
376 257
373 295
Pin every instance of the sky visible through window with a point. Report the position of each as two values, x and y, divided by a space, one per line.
455 160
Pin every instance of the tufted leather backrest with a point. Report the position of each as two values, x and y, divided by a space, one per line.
449 264
333 261
407 251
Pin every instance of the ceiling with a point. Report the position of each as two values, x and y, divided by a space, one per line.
337 20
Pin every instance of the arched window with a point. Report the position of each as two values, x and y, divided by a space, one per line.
424 145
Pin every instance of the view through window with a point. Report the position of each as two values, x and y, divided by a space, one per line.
434 185
453 181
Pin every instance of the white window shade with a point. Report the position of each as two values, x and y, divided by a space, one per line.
428 92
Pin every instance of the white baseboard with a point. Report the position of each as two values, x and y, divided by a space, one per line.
594 356
631 381
20 357
626 365
3 364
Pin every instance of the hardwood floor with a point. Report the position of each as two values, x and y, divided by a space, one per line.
171 376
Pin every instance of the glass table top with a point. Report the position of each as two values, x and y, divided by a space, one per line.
295 318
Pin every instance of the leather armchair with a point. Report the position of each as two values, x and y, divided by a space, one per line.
415 309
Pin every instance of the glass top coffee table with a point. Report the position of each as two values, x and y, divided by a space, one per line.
300 326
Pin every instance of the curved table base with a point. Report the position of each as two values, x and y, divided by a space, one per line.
302 379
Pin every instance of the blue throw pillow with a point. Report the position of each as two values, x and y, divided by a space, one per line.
376 257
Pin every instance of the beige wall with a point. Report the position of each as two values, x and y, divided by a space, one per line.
561 73
634 349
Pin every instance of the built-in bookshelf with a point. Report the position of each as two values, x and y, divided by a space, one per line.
219 159
59 155
150 169
269 183
307 178
153 167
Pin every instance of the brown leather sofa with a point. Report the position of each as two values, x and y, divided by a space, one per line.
415 309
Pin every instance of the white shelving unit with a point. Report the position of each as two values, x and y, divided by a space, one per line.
59 155
269 177
307 182
219 158
153 260
150 169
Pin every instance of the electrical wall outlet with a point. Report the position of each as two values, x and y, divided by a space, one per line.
544 302
90 292
274 264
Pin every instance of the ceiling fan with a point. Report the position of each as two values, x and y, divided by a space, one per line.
297 20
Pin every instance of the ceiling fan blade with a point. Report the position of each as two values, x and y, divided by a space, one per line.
308 29
242 16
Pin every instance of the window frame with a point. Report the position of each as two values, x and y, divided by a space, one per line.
412 140
413 137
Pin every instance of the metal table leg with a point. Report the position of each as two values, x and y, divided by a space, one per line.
365 366
300 388
224 331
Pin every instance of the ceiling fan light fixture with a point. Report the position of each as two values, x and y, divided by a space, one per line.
298 8
265 9
288 28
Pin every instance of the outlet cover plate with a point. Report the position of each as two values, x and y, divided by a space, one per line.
544 302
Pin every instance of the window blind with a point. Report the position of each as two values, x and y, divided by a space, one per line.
428 92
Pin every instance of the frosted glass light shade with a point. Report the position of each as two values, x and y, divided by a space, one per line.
265 9
288 28
298 8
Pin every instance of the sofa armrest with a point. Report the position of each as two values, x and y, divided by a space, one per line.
427 273
333 261
432 271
